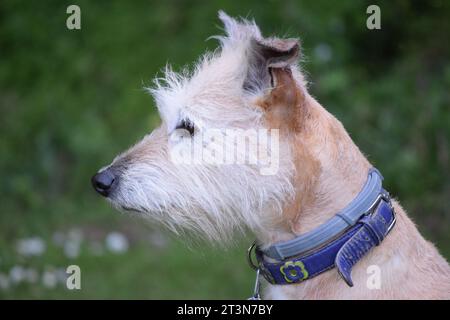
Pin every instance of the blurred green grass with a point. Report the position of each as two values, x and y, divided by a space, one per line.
71 100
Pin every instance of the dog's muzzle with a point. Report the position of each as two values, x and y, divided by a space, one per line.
104 181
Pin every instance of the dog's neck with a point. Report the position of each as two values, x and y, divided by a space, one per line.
330 172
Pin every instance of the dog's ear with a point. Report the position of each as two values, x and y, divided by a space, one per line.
265 55
271 71
237 30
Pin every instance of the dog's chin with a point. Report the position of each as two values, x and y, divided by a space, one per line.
131 210
125 208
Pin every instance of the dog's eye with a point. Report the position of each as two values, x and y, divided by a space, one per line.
187 125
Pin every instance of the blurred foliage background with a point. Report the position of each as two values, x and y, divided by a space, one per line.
71 100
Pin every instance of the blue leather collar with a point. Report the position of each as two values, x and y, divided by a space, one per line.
340 242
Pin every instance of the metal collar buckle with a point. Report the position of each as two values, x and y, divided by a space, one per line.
253 265
384 195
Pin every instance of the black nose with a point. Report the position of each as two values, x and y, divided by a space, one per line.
103 182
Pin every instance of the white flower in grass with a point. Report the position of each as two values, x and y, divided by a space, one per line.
72 249
117 242
73 243
33 246
17 274
4 282
61 275
75 235
59 238
49 279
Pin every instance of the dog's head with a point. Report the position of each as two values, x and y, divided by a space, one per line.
222 158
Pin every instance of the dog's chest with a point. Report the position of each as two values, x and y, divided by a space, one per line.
276 293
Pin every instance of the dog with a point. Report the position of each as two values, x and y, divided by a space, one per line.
255 84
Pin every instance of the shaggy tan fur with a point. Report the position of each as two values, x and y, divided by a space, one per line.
331 170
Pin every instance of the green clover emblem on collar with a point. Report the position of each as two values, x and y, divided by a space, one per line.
294 271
